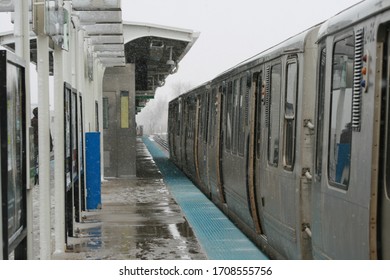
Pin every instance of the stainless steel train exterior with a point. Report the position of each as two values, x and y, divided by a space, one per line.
294 143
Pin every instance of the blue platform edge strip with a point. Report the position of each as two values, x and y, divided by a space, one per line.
218 236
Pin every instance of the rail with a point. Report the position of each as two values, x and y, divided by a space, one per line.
162 142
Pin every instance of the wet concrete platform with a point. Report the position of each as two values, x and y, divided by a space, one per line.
139 220
158 215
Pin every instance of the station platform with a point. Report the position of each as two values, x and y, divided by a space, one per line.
158 215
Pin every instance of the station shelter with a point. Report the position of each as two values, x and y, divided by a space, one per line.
104 72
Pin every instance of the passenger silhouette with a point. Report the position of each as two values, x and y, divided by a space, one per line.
34 124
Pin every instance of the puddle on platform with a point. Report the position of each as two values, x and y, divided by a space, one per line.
148 241
139 219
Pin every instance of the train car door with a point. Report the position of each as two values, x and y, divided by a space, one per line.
212 151
201 143
196 137
219 141
189 137
255 150
341 195
383 118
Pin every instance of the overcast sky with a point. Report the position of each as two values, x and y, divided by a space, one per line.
230 30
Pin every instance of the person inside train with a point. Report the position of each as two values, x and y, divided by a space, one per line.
34 124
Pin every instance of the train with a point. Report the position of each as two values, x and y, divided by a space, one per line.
293 144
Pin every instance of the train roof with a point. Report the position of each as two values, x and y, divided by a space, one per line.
352 15
294 44
188 92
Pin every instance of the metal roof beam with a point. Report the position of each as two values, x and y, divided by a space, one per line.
105 39
93 17
104 29
112 61
88 5
108 47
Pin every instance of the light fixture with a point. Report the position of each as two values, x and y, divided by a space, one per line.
170 60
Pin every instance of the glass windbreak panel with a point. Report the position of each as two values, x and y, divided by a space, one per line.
289 115
274 122
67 125
15 150
320 113
74 130
340 134
81 135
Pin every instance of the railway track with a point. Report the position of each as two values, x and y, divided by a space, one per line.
162 142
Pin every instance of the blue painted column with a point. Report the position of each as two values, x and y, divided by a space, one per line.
92 170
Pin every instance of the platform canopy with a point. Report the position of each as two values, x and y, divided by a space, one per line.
156 52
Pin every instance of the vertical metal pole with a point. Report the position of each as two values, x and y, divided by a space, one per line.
59 163
22 49
80 74
44 145
59 167
99 99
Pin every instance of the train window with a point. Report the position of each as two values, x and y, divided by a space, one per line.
206 116
222 116
241 121
340 134
289 114
259 92
192 120
229 116
199 112
187 118
213 103
320 113
236 104
274 121
247 93
179 118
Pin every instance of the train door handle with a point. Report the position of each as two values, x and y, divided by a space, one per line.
309 124
306 173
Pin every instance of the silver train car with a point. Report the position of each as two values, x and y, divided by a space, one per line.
294 143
